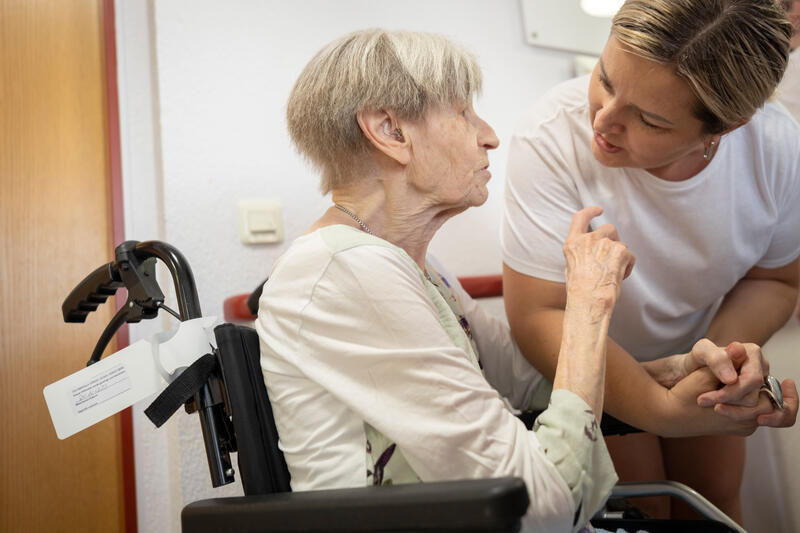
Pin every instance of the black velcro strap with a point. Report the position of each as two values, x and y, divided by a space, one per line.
180 390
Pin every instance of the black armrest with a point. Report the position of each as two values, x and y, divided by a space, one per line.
470 506
658 525
608 424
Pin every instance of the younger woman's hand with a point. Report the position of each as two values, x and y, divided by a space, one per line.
732 384
683 399
778 418
741 367
764 413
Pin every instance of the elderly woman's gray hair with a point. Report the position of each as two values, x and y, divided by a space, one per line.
406 72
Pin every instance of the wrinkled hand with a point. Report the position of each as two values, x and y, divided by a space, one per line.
597 261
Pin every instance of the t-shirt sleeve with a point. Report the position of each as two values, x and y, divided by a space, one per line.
372 338
785 244
540 200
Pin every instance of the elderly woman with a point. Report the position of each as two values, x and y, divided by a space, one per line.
671 134
379 367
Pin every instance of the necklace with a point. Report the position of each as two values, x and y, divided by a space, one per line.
354 217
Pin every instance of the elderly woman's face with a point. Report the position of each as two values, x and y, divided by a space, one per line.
641 113
450 163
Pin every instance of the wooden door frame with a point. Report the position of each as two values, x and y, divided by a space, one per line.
118 236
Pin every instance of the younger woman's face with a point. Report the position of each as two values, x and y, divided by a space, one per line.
642 116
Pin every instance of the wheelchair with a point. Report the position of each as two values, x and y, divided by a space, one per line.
226 388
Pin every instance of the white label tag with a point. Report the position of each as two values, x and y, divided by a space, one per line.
123 378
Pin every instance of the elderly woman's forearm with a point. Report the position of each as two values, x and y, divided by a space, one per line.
581 362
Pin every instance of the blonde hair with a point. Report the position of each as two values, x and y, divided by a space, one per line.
732 53
406 72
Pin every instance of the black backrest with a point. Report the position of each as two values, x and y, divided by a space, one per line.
252 300
262 466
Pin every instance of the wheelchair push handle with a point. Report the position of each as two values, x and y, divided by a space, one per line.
134 269
91 292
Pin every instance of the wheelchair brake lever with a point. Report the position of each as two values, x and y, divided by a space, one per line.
139 277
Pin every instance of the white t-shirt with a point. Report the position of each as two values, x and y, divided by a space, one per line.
693 239
789 88
352 339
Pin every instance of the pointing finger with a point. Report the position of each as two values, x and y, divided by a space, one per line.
581 219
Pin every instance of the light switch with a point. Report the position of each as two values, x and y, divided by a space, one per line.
260 220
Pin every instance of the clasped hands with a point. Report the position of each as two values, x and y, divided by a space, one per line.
728 379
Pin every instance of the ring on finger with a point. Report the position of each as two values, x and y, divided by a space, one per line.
772 388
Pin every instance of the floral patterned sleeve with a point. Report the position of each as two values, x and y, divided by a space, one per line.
570 435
